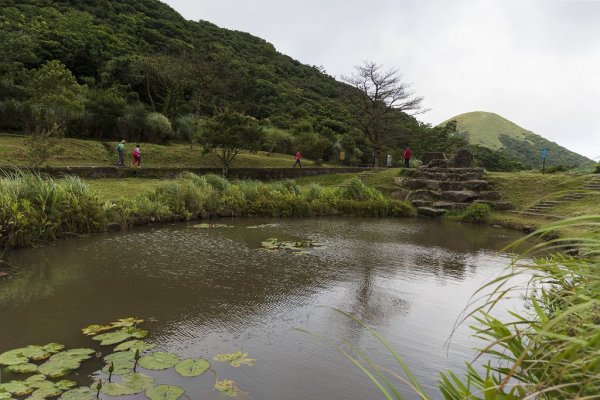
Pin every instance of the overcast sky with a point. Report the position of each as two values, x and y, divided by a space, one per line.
536 63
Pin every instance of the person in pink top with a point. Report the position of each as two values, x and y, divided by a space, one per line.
407 157
298 158
137 156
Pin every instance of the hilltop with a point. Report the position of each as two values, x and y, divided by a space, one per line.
498 133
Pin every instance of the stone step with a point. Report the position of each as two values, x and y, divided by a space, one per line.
475 184
448 205
422 203
431 212
496 205
534 214
447 176
423 194
459 196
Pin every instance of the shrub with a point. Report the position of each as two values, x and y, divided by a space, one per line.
476 213
597 170
158 128
217 182
357 190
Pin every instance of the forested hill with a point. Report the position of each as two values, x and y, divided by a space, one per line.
136 69
131 53
497 133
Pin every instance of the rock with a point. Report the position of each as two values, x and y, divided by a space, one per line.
447 205
426 158
425 195
423 184
422 203
496 205
459 196
463 158
477 185
489 195
437 163
431 212
401 194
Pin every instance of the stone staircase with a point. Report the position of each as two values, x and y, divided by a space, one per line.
543 208
435 190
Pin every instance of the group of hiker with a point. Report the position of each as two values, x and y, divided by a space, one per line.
137 155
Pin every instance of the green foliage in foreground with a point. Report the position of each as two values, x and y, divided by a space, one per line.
35 209
478 213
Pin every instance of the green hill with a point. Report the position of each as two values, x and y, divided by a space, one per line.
497 133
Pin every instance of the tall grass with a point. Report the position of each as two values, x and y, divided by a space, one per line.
552 350
34 208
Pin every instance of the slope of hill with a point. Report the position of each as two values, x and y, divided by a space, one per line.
497 133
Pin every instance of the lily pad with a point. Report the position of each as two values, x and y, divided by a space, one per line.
135 345
25 368
36 353
164 392
121 367
120 356
159 360
189 367
121 335
78 355
35 378
13 357
210 226
47 391
5 396
82 393
58 368
92 330
53 347
227 387
17 388
236 359
274 244
130 384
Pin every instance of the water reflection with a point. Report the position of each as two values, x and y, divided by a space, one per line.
216 290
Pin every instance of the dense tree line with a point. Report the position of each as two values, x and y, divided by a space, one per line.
136 69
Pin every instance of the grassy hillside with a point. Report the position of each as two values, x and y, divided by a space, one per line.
76 152
497 133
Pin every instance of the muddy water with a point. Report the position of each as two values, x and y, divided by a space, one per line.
209 291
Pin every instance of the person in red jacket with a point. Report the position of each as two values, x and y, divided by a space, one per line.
298 158
407 157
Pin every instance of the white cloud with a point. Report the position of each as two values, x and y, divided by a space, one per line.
533 62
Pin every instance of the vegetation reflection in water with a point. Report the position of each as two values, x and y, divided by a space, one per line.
51 361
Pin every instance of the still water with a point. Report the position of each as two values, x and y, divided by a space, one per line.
209 291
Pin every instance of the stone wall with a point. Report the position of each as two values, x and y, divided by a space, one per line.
165 173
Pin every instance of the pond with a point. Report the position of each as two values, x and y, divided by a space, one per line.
209 291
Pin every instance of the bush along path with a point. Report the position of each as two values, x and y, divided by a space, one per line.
35 209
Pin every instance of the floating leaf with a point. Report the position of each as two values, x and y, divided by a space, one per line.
274 244
159 360
24 368
120 356
58 368
13 357
5 396
92 330
36 353
123 322
189 367
47 391
262 226
78 355
210 226
82 393
138 381
164 392
227 387
17 388
53 347
35 378
120 335
121 367
135 345
236 359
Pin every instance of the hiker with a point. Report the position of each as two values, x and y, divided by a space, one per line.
298 158
120 153
137 156
407 157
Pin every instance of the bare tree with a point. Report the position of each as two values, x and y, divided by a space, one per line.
379 93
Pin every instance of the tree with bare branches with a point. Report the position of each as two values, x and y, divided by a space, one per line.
379 95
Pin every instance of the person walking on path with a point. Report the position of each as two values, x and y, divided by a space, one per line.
298 158
120 154
407 157
137 156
